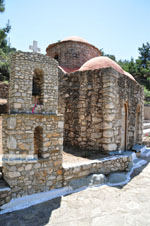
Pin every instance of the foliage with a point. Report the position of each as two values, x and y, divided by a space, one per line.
147 95
139 68
2 6
108 55
5 49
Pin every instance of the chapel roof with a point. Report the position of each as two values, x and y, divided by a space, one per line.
103 62
72 39
75 38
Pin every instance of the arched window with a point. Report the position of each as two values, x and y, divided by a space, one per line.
124 128
56 57
37 86
38 141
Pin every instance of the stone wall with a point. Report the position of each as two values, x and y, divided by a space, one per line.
104 166
23 67
131 94
23 175
147 112
32 162
71 54
93 106
4 88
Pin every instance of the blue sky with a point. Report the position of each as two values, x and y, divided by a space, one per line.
117 26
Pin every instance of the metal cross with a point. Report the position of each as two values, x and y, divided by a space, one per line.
35 48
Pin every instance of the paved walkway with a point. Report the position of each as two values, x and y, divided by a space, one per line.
103 206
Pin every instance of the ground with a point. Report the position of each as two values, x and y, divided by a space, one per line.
75 155
101 206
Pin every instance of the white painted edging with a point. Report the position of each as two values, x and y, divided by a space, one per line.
30 200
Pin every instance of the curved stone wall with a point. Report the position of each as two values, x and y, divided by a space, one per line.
71 54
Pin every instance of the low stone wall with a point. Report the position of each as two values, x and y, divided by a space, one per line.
39 176
104 166
23 175
30 178
147 112
4 88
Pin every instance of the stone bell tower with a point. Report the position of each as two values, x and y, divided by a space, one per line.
33 130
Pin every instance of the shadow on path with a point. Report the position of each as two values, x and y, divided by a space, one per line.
37 215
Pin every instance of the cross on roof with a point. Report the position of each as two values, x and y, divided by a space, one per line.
34 47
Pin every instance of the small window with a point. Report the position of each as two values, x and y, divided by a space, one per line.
37 86
38 141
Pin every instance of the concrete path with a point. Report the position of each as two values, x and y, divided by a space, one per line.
103 206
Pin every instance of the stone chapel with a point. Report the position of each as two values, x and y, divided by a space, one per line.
101 103
72 97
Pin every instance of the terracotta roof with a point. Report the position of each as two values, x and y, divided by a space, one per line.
72 39
68 70
129 75
103 62
75 38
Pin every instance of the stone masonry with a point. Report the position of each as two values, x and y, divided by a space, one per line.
93 104
23 67
4 90
51 108
26 169
100 166
72 54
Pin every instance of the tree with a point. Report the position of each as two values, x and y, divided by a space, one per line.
111 56
2 6
145 55
5 49
143 65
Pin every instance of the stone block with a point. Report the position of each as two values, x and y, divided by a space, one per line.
109 106
61 125
13 174
96 135
109 117
11 142
109 147
11 123
28 167
108 133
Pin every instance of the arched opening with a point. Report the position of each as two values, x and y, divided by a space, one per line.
37 86
38 141
56 56
137 123
124 127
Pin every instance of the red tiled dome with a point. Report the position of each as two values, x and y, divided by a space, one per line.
74 38
129 75
103 62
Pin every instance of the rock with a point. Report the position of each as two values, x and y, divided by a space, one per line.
11 123
117 178
11 142
91 180
108 133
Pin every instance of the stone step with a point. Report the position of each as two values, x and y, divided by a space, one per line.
146 125
3 185
146 121
5 192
